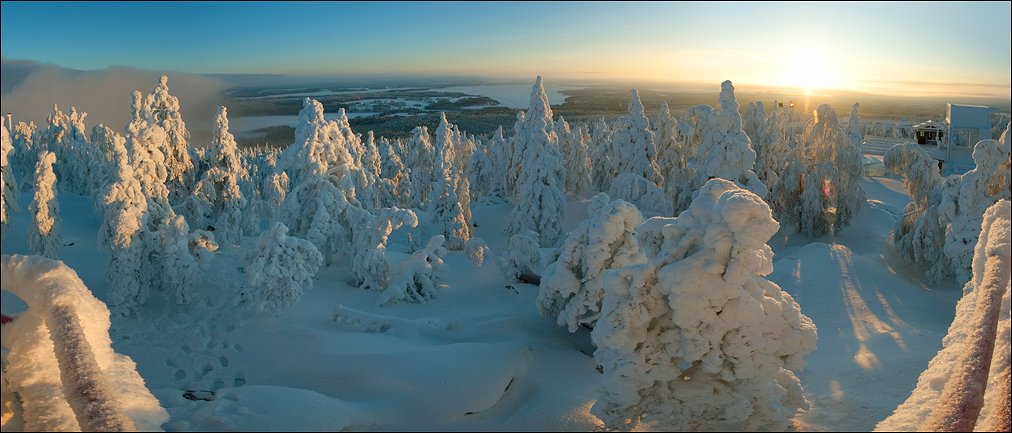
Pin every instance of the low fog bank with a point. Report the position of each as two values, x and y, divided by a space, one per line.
29 90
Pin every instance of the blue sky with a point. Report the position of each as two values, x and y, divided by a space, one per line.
844 45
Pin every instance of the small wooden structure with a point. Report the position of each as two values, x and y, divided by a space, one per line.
929 132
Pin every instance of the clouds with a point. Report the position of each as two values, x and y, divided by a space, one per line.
29 90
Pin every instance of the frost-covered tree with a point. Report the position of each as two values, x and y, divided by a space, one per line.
641 192
216 200
522 261
369 265
539 203
418 277
104 140
572 287
919 235
448 207
27 146
696 338
162 109
481 172
8 183
600 149
67 137
963 203
44 238
576 163
772 153
499 152
673 159
855 130
394 188
633 146
125 213
279 268
819 192
419 159
726 152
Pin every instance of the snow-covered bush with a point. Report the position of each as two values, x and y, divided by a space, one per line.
417 277
919 235
475 249
820 192
8 184
696 338
641 192
572 287
279 268
370 265
966 385
44 238
726 152
522 260
963 203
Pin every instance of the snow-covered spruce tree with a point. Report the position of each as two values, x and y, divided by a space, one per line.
696 338
572 288
499 152
44 238
633 148
855 130
964 201
8 183
125 213
772 153
369 264
480 171
673 159
966 385
726 152
67 137
104 140
26 151
448 211
394 188
820 193
417 278
540 202
576 163
642 193
918 235
279 267
600 154
162 109
216 200
699 119
420 159
274 191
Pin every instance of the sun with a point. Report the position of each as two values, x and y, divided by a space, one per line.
809 69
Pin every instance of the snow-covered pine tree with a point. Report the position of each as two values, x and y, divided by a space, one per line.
572 287
576 163
125 210
540 202
726 152
279 268
969 195
634 148
45 236
448 211
696 338
919 235
673 159
216 200
8 183
162 109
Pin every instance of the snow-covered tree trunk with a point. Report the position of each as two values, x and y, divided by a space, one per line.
45 238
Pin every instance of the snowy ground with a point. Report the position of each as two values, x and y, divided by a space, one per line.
479 357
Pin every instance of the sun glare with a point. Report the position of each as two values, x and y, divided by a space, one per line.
809 69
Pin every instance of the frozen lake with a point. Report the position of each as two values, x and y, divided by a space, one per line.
246 126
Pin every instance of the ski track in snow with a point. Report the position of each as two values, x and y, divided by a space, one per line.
479 357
